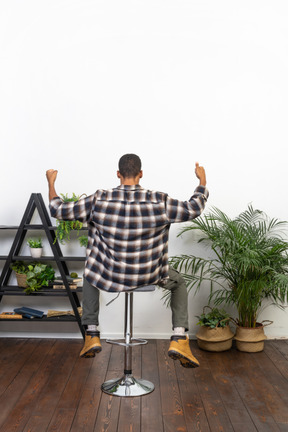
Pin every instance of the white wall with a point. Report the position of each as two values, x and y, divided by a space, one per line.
176 81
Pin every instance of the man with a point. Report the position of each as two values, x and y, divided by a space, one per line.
128 229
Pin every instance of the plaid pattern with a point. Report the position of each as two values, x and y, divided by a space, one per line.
128 233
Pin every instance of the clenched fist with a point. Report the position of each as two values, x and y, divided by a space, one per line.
200 174
51 175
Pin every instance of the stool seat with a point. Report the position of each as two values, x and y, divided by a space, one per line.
145 288
128 385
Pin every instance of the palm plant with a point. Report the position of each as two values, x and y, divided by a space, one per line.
249 263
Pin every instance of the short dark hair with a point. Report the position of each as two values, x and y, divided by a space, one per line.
129 165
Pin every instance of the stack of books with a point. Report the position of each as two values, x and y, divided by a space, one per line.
73 283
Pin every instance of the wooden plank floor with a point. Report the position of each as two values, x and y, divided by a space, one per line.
46 387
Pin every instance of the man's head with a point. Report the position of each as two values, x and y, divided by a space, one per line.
129 169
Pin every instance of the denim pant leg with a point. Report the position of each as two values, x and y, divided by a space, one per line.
90 302
179 299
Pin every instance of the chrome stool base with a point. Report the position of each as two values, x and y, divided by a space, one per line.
127 386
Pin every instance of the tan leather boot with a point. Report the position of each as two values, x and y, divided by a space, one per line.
179 349
92 344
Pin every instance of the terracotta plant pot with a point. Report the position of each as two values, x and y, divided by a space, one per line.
250 339
217 339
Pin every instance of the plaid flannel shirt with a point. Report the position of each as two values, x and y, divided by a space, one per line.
128 231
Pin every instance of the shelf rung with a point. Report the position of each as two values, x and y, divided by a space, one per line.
63 318
47 258
44 291
8 227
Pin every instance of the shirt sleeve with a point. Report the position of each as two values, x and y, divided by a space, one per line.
80 210
183 211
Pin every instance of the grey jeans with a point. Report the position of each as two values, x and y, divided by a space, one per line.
179 301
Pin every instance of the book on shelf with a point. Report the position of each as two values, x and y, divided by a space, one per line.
30 313
10 315
57 313
71 280
62 287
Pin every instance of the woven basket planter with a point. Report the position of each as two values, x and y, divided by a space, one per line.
217 339
21 280
249 339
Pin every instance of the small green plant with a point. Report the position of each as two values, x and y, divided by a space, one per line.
38 274
64 228
74 198
83 240
19 267
34 243
214 318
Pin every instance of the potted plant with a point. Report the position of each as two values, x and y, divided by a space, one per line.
32 276
36 247
215 333
248 269
21 270
64 228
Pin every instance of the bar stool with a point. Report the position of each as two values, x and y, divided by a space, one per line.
127 385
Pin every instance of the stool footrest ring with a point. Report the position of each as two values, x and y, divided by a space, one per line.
122 342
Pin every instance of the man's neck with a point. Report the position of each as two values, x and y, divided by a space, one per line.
129 181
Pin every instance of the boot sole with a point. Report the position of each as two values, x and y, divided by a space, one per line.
91 352
185 361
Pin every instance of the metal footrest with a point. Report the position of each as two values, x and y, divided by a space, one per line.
127 386
122 342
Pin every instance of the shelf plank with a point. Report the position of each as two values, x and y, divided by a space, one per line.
34 227
43 258
44 291
63 318
47 258
8 227
38 227
51 228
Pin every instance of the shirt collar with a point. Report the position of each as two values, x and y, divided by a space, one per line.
129 187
